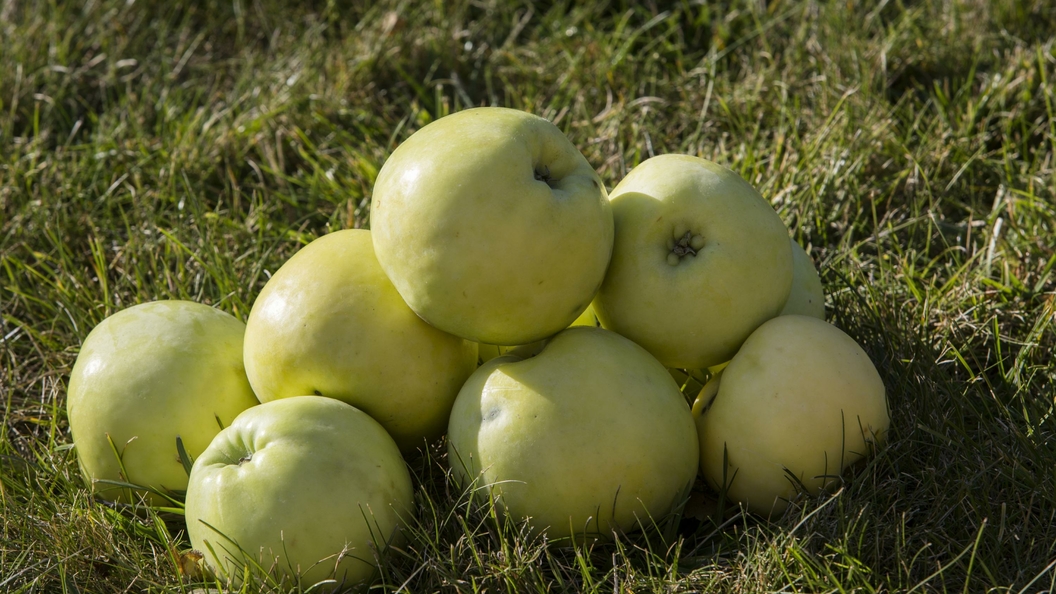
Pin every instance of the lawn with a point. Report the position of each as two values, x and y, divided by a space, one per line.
164 150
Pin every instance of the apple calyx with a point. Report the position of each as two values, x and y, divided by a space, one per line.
684 243
244 459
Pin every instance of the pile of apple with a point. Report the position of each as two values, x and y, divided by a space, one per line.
490 230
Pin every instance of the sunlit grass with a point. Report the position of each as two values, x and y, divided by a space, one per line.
185 150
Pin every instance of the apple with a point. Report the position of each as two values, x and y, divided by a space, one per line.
699 261
145 376
807 297
492 226
587 318
800 399
329 322
306 488
490 351
589 436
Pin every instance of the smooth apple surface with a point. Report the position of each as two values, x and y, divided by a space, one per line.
306 488
800 398
329 322
699 261
492 226
589 436
807 297
146 375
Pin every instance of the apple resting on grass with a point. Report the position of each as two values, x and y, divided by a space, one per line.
329 322
807 297
144 376
699 261
589 436
305 486
800 398
492 226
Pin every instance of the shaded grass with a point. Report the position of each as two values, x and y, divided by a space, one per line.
154 151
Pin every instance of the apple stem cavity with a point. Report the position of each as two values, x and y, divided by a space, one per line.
543 175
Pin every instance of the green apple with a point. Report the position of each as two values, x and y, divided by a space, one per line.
145 376
490 351
589 436
800 399
807 297
492 226
329 322
305 487
699 261
587 318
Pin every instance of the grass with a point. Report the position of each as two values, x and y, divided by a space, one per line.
153 150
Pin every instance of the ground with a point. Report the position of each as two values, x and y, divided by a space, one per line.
154 150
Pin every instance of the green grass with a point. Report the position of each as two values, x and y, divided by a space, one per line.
150 150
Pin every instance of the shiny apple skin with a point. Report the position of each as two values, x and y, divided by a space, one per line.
307 488
693 311
329 322
589 436
144 376
492 226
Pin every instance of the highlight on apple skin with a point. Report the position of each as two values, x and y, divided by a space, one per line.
329 322
797 405
306 489
588 437
699 261
145 376
492 226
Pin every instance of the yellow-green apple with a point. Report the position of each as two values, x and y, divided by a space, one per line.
492 226
589 436
305 488
329 322
807 297
587 318
799 403
145 376
699 261
490 351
